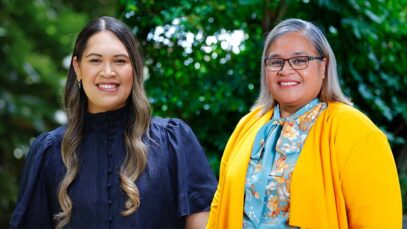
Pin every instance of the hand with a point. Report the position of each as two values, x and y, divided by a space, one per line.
197 220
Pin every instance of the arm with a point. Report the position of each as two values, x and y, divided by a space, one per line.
32 208
197 220
222 214
370 184
195 181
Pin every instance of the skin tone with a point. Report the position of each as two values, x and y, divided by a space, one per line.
293 89
107 78
106 72
197 220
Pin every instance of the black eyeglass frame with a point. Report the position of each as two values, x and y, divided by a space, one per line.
309 58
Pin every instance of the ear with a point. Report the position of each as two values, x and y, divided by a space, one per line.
75 64
323 67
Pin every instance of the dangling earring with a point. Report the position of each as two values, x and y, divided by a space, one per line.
80 84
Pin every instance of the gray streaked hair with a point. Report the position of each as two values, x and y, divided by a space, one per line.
330 90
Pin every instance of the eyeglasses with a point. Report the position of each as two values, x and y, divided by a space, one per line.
274 64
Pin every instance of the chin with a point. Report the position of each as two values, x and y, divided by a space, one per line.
289 102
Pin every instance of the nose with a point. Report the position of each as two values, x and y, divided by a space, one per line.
286 68
107 70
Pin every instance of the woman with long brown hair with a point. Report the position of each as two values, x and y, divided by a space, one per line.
113 165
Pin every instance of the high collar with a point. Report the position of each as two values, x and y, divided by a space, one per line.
108 121
307 107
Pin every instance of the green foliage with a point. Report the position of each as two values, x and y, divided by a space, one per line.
403 185
375 71
35 37
212 89
192 72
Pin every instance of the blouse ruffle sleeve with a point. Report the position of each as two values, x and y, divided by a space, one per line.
196 182
32 209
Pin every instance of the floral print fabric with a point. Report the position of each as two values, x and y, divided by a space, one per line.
274 155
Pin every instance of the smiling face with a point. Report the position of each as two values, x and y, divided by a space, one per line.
106 72
291 88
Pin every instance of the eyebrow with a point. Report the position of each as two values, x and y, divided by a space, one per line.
99 55
298 53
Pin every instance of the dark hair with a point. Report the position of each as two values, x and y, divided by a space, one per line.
75 104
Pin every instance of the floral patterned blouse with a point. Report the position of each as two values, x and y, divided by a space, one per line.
274 155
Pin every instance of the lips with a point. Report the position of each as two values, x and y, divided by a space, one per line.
108 87
288 83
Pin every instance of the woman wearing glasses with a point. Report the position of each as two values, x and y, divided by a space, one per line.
304 157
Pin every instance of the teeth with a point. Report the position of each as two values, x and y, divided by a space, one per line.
107 86
288 83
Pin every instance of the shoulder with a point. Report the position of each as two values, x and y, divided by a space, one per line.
346 116
167 124
344 110
169 128
56 135
32 194
173 133
51 137
256 112
45 142
252 119
349 127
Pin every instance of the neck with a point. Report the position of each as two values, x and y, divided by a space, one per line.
286 111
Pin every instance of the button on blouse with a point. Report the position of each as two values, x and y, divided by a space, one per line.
177 180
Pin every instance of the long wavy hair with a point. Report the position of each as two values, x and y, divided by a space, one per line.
330 90
75 104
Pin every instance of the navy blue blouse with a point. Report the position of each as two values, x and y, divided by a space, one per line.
177 180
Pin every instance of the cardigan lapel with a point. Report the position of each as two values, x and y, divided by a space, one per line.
237 155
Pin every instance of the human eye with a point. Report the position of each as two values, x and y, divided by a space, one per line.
120 61
299 60
275 62
95 60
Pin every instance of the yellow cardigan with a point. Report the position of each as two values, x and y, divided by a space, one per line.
345 176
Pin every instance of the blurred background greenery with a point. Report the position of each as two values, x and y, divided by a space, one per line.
202 65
